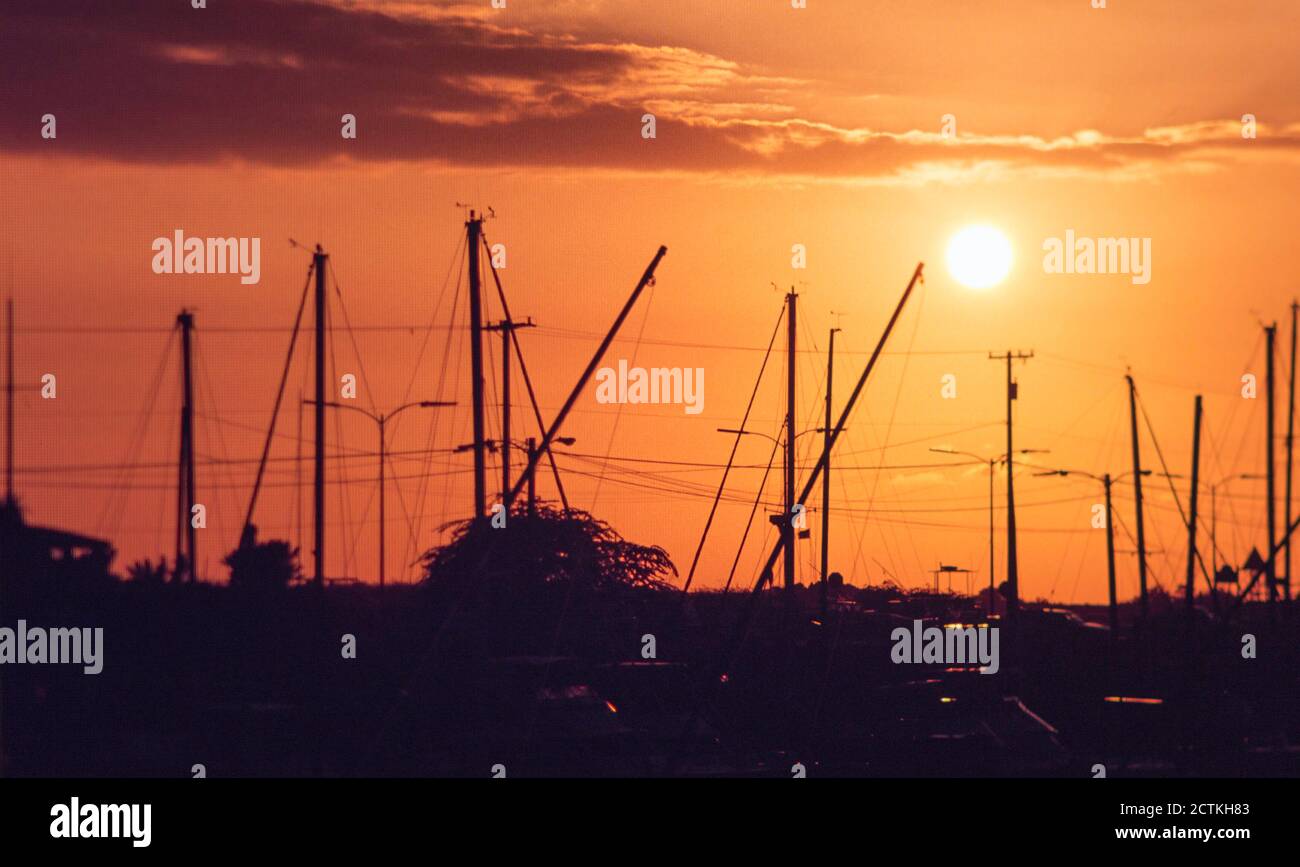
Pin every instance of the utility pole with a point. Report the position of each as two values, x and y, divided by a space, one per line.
1290 447
826 476
532 477
185 495
1110 563
505 326
1013 571
473 230
787 526
505 410
318 487
1191 521
1270 333
1137 492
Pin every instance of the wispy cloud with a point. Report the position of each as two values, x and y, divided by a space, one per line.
267 81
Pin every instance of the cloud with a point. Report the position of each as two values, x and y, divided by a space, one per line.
267 81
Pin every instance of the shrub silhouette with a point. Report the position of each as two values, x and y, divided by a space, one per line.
270 565
549 548
147 572
552 582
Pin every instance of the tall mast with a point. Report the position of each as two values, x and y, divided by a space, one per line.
185 497
787 525
826 477
473 231
1271 463
549 435
1191 520
9 468
505 411
9 402
1110 563
1137 492
1290 447
765 574
297 481
383 514
992 562
318 487
532 478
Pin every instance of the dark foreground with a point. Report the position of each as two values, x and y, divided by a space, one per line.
562 684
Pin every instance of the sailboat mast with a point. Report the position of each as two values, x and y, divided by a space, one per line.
826 477
1290 449
1270 452
9 401
765 573
473 230
787 525
318 486
1191 519
1137 493
185 499
549 435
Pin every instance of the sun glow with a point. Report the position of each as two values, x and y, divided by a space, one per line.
979 257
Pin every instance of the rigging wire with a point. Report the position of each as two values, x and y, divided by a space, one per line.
422 489
735 446
279 395
749 523
618 411
122 492
523 368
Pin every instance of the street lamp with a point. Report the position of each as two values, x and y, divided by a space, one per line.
786 522
1106 480
992 462
775 442
1214 512
768 437
381 420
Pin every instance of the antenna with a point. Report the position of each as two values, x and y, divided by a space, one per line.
486 213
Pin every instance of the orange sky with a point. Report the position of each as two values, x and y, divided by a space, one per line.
775 127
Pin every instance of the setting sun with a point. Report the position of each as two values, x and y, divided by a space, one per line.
979 257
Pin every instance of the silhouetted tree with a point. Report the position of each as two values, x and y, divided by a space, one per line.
551 547
270 565
146 572
553 582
